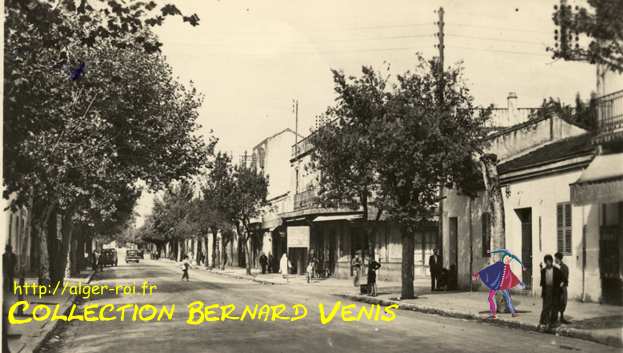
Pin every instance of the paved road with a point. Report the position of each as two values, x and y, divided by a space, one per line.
409 332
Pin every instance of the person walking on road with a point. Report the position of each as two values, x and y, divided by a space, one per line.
263 263
564 271
435 265
551 281
185 268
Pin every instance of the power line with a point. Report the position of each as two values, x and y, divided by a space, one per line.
383 38
503 51
511 29
496 39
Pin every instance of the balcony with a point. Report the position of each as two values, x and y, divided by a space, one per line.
302 147
609 118
306 199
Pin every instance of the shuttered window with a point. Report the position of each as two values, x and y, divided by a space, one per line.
486 234
563 228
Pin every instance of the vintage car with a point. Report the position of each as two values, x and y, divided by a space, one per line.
132 256
109 257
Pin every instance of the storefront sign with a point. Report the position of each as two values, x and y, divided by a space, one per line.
298 237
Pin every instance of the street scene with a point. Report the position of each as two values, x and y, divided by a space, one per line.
289 176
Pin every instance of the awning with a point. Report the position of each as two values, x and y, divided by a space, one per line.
271 224
347 217
601 181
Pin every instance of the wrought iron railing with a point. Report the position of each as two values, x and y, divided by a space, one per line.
610 112
306 199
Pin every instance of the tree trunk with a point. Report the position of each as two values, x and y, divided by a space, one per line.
223 252
488 163
215 251
41 230
67 230
408 248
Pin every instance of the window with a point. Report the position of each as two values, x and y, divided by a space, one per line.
486 234
563 227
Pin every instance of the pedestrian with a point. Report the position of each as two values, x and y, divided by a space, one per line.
9 260
310 270
564 271
185 268
356 265
551 280
499 277
284 266
263 262
373 266
435 265
271 263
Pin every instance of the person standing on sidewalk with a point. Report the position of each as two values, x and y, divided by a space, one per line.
372 267
435 264
564 270
551 280
185 269
356 264
284 266
263 263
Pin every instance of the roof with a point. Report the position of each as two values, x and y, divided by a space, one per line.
275 135
603 168
556 151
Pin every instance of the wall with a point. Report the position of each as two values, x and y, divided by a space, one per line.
520 139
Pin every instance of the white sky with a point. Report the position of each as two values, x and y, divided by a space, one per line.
250 58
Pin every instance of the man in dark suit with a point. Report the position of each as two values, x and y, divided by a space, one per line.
435 264
551 280
564 270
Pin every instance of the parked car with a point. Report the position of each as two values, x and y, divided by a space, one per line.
141 253
109 257
132 256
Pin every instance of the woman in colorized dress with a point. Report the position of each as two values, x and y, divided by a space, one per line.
499 277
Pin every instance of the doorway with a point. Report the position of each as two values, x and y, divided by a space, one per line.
525 217
453 255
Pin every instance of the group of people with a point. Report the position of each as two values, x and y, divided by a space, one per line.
554 283
371 265
441 278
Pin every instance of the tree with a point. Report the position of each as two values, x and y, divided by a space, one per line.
425 142
584 114
77 79
247 200
600 21
344 149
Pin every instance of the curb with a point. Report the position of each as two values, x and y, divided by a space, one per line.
71 300
560 331
231 275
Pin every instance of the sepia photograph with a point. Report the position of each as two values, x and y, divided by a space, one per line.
281 176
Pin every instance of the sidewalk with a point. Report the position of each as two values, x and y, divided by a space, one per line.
589 321
27 338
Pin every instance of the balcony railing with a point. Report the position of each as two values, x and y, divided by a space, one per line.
306 199
301 147
610 117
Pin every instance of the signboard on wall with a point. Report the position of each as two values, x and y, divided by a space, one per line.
298 237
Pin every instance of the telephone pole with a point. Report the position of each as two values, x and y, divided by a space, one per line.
295 110
441 47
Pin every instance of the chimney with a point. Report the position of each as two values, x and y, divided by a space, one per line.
511 105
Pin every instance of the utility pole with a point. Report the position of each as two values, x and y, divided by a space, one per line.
440 45
295 110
